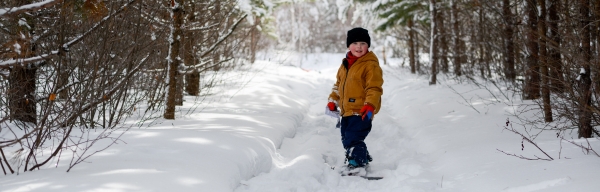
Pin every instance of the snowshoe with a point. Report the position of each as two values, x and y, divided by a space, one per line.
350 170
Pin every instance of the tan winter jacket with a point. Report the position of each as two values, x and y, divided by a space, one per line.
360 85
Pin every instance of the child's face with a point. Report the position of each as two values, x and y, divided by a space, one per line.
358 49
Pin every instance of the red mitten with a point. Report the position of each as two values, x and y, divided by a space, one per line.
331 106
367 110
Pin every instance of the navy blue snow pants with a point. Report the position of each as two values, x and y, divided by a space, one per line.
354 131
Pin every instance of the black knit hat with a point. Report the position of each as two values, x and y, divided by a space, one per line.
356 35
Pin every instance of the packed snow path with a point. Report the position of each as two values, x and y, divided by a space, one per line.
425 138
303 163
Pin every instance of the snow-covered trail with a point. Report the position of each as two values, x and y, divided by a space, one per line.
443 137
303 162
425 138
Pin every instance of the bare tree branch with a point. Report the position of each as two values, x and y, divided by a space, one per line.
587 149
90 106
525 139
523 157
66 46
4 12
203 54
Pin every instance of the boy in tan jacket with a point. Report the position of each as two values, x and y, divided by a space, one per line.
357 92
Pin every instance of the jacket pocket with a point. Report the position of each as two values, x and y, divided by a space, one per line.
355 103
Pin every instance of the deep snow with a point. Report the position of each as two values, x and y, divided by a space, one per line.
267 131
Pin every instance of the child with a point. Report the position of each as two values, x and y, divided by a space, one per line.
357 92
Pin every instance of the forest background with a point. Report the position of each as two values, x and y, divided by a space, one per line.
87 65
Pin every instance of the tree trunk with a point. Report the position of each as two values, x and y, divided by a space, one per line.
596 61
63 62
22 78
411 47
457 41
193 83
21 94
509 47
585 82
443 42
433 44
179 90
192 79
173 62
255 35
481 48
417 49
531 88
182 53
554 61
547 107
383 55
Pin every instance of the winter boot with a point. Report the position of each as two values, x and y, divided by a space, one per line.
354 169
352 163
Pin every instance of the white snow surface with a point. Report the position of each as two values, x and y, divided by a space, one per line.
272 135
